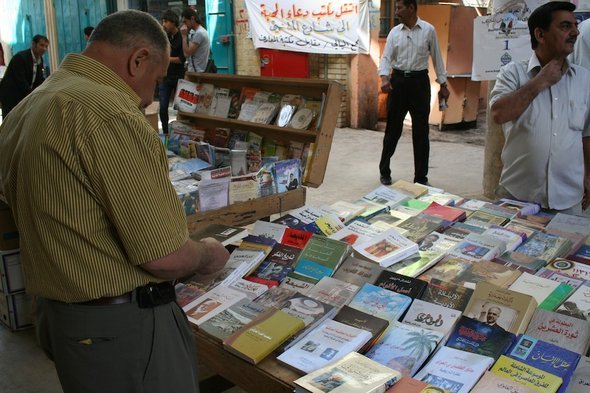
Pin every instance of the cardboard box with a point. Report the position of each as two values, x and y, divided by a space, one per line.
15 311
8 231
11 272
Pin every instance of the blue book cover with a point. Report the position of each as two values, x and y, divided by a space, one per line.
473 336
287 174
545 356
380 302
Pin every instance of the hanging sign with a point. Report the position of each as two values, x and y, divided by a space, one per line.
311 26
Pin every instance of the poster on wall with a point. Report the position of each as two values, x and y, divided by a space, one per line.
501 37
311 26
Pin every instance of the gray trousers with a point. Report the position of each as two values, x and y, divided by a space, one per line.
120 348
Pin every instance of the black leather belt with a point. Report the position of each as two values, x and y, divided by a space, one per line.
148 296
409 74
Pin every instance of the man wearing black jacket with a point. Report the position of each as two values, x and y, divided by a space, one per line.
24 73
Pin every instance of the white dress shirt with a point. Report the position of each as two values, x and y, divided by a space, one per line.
581 53
543 154
408 49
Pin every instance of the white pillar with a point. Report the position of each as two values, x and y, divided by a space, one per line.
51 35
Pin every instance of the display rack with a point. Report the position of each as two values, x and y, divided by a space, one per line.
329 92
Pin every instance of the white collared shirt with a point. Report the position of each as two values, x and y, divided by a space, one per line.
36 62
543 154
408 49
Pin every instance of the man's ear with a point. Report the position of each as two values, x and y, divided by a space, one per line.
138 61
539 34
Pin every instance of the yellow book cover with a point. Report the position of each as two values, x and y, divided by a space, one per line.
257 339
413 189
531 377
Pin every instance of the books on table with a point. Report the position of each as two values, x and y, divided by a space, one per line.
501 307
257 339
563 330
212 303
400 283
354 373
581 378
578 304
447 294
357 271
454 370
353 317
226 234
387 248
529 376
431 316
405 347
328 342
491 382
380 302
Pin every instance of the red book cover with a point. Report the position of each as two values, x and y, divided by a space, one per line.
295 237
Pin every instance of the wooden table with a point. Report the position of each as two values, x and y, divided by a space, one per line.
267 376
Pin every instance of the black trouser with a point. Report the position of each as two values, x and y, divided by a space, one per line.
408 94
166 88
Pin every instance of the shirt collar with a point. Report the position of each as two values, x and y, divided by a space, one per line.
419 25
98 73
534 63
36 60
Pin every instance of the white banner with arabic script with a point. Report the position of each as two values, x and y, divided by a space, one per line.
311 26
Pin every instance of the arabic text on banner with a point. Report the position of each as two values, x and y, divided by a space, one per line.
311 26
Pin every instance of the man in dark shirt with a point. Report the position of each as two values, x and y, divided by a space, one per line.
24 73
176 67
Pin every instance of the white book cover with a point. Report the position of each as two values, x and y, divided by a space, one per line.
240 263
431 316
249 288
570 223
206 98
511 239
580 380
454 370
562 330
186 97
386 196
212 303
472 204
357 232
247 111
578 304
332 291
387 248
307 214
213 194
269 230
354 373
327 343
346 210
476 247
537 287
404 347
294 284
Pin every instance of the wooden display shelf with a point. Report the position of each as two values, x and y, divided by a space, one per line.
328 91
244 213
269 375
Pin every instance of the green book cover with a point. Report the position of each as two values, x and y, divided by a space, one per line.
556 297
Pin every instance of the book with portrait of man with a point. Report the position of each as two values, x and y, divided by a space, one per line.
287 174
500 307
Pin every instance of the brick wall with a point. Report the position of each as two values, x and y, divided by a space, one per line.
336 68
247 58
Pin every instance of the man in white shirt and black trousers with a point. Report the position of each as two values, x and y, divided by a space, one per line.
404 75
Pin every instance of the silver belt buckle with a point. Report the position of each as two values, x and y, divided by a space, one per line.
407 74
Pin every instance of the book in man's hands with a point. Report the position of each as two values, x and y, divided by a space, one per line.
225 234
259 338
354 373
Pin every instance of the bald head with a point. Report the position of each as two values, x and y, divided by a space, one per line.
134 45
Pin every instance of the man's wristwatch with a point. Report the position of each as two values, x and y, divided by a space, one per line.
443 85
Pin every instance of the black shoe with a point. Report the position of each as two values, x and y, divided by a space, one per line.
385 180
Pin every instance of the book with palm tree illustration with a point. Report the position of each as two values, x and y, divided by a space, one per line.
405 348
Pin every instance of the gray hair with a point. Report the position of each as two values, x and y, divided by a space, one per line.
131 29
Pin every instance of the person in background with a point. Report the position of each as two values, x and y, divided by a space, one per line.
195 41
24 73
404 76
102 233
87 32
167 86
543 105
581 53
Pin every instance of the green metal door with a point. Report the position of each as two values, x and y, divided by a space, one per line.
219 27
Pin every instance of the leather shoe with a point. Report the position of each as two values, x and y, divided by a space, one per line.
385 180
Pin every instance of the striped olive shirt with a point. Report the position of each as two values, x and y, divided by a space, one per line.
87 180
